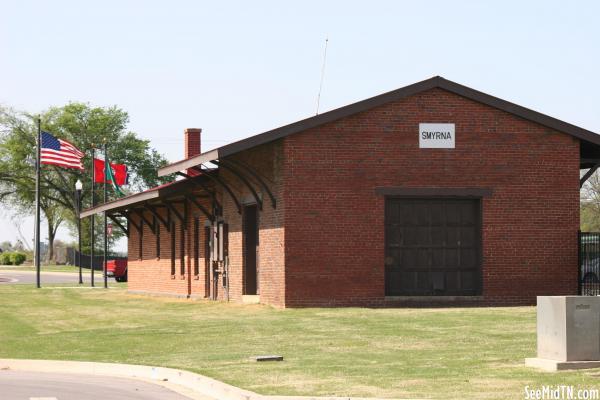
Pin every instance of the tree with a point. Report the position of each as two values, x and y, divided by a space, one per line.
86 127
590 205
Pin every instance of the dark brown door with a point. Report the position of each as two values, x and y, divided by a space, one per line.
432 247
250 227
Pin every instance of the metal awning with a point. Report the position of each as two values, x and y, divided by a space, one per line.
189 163
185 191
120 203
161 196
178 200
150 194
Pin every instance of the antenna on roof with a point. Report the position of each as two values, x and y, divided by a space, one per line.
322 74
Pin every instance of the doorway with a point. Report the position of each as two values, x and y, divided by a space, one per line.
432 247
250 238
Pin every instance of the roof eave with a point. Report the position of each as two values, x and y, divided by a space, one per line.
519 111
133 199
189 162
398 94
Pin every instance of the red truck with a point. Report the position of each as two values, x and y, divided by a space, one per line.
117 269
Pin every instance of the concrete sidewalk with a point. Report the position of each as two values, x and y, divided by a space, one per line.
194 386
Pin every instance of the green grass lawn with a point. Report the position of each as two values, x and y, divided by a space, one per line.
474 353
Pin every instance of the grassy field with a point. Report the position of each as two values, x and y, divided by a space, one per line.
472 353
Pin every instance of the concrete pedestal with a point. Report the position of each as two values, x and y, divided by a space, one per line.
568 333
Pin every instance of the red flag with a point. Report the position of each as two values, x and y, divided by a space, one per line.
119 172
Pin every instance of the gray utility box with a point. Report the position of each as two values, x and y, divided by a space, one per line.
568 328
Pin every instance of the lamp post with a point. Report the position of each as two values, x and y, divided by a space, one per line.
78 187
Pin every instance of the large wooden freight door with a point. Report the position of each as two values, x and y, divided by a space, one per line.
432 247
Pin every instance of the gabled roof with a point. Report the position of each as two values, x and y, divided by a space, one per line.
585 135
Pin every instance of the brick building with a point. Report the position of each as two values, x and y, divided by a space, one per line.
434 193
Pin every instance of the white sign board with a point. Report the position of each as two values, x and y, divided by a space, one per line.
436 136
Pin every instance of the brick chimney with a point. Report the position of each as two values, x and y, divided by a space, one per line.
192 145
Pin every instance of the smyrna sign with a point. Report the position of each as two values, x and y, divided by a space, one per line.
436 136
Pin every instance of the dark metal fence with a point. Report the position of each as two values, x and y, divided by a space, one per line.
589 263
86 259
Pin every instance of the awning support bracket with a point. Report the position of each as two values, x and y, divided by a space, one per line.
242 178
172 209
130 220
153 211
587 175
199 206
150 224
118 223
202 185
257 177
221 182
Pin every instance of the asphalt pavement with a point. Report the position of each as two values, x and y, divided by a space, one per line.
20 385
29 277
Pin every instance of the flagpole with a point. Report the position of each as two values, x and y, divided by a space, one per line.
37 203
92 221
106 165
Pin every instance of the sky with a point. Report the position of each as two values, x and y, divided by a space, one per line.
236 69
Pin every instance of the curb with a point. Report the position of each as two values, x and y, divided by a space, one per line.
166 377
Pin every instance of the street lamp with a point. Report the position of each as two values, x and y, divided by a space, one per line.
78 187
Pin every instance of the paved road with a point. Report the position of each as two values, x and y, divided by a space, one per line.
12 277
18 385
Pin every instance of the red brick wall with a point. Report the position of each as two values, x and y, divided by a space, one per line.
334 221
266 161
152 274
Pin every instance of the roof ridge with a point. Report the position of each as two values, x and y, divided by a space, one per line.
436 81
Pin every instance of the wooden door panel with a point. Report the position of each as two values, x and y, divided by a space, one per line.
432 246
250 237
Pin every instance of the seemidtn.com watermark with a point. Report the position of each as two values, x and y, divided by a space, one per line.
560 392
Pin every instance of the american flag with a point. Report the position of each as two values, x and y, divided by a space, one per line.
60 152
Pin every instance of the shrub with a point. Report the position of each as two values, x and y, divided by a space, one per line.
5 258
17 258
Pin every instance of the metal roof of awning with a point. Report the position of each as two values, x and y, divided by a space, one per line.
120 203
590 141
162 191
167 196
189 162
185 190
